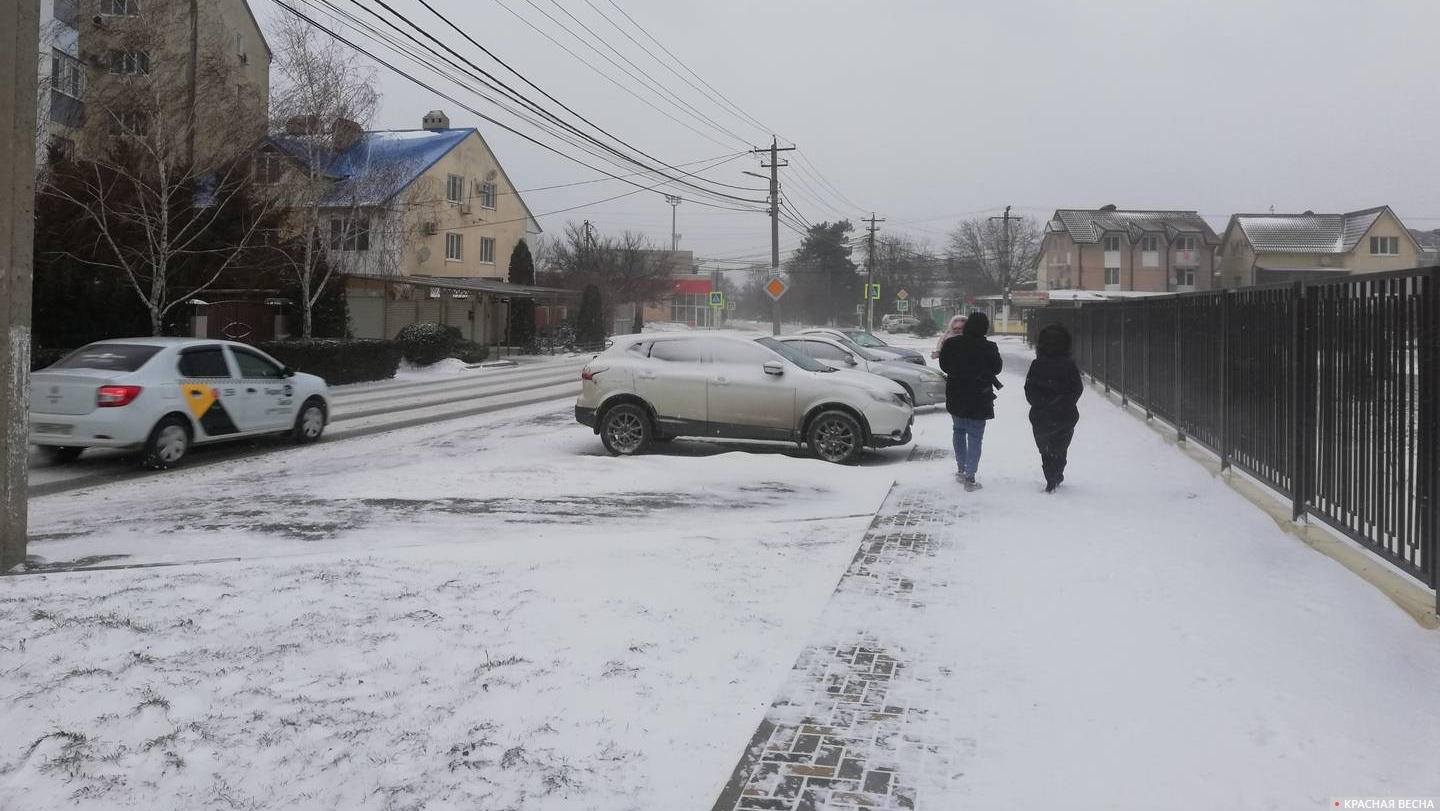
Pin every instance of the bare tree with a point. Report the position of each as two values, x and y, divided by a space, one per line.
628 269
1000 252
160 185
324 97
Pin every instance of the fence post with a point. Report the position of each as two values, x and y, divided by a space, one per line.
1299 435
1124 365
1105 345
1224 380
1179 372
1429 426
1148 331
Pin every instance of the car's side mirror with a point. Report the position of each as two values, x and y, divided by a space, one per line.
287 372
850 358
774 367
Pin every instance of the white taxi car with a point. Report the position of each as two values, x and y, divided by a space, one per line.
647 388
162 395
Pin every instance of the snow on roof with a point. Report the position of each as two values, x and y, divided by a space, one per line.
1087 225
1307 233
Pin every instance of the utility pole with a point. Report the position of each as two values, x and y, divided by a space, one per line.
870 274
774 167
1005 255
21 79
674 202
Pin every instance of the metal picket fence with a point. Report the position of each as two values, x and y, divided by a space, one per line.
1327 391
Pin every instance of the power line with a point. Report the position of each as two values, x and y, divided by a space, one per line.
520 97
420 83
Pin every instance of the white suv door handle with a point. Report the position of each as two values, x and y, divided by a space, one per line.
720 381
646 375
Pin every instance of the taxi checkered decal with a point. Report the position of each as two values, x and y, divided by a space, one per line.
204 403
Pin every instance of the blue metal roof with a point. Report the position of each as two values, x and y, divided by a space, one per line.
381 164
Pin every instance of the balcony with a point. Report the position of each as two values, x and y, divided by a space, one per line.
67 13
66 110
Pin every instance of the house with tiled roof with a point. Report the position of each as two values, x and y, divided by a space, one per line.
420 223
1271 248
1142 251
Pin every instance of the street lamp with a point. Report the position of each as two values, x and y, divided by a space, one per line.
674 201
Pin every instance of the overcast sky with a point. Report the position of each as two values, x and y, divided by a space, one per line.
925 113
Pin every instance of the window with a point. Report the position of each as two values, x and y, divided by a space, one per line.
129 63
120 8
454 247
683 351
205 361
824 351
267 168
738 352
455 188
1185 244
349 234
1112 276
1149 244
109 357
129 122
1384 246
66 75
487 250
1112 243
487 195
1185 277
254 367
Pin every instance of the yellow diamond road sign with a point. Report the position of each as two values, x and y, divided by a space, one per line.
902 295
776 288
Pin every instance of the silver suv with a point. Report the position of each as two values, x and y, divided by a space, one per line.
648 388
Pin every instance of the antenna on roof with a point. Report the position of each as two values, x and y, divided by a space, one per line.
1272 209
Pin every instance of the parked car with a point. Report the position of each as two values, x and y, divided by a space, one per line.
904 323
887 319
647 388
870 342
163 395
924 385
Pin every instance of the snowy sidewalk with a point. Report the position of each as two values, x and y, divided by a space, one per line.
1145 638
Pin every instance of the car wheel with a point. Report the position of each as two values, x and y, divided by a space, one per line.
310 423
835 436
61 455
625 430
168 444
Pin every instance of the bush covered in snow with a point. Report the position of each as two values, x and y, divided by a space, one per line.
338 360
424 344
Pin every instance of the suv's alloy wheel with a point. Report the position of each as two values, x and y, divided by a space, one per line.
625 430
835 436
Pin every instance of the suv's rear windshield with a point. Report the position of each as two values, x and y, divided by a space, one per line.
793 355
862 338
108 357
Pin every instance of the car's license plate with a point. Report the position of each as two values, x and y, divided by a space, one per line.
53 428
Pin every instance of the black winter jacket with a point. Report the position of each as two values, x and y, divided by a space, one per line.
1052 387
971 363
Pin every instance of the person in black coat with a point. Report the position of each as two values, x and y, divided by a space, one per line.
1053 387
971 363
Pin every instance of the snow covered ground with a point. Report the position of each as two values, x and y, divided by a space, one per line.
491 613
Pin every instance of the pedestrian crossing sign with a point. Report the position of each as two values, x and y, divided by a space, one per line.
717 300
875 292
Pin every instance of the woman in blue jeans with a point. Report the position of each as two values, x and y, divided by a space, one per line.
972 364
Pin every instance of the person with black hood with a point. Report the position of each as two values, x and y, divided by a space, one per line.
1053 387
971 364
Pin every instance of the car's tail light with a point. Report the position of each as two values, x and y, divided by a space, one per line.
116 396
589 372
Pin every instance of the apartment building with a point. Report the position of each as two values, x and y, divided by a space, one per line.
1108 249
192 75
1271 248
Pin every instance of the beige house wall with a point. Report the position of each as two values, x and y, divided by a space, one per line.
506 223
1387 225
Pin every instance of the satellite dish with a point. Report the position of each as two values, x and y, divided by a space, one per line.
490 175
424 254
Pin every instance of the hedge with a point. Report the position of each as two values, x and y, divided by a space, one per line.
423 344
338 360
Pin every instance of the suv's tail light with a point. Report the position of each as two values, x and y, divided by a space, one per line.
589 372
116 396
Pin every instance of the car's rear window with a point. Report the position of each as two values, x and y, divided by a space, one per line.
108 357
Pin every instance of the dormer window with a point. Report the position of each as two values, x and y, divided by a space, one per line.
1112 243
1185 244
1149 244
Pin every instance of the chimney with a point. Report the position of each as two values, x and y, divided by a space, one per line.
302 125
1108 207
435 120
345 134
